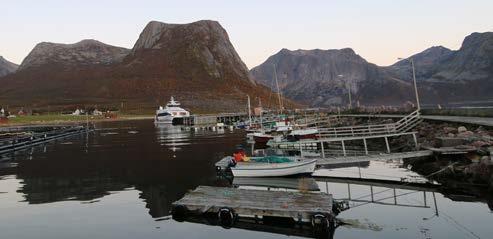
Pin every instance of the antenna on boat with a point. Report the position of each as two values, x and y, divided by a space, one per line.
278 91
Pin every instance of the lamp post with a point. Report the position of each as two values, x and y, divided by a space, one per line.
414 80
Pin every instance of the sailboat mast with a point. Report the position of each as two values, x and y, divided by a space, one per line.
261 112
249 112
278 91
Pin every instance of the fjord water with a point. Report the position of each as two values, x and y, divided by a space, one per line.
120 181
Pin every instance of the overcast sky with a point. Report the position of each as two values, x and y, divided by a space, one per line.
378 30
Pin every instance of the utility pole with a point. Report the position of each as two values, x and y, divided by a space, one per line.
415 85
278 91
414 80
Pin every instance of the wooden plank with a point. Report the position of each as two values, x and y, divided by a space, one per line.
257 202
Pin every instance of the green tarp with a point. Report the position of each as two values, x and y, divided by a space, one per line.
272 159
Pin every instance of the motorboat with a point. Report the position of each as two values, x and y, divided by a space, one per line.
299 134
257 167
171 114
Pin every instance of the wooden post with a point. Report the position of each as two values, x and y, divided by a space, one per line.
387 144
366 147
343 148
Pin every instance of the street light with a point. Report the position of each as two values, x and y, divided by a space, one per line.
414 79
349 91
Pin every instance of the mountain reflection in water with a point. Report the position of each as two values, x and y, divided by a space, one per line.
163 164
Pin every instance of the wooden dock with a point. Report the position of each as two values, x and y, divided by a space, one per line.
19 143
303 207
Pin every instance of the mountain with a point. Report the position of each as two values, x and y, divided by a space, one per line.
444 76
194 62
324 77
473 61
7 67
85 52
425 62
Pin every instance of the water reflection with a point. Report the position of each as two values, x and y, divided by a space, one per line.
172 136
152 166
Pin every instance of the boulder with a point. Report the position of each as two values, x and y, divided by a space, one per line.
461 129
449 130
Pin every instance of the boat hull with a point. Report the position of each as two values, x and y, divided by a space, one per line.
262 139
163 119
274 169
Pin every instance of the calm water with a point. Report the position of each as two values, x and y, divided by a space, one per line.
120 182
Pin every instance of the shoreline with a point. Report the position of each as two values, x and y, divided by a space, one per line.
67 120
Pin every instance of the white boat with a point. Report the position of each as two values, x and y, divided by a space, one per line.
171 114
255 169
297 134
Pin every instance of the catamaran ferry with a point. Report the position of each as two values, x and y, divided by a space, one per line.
171 114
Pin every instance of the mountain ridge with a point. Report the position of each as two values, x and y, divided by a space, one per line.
194 62
443 75
7 67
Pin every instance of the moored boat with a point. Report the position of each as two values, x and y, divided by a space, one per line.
262 138
294 166
171 114
302 134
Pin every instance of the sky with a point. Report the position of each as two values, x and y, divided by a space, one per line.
380 30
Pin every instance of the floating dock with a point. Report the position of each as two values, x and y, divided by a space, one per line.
26 141
234 203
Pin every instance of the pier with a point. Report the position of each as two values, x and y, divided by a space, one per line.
213 119
30 139
484 121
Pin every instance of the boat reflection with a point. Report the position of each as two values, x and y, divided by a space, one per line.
172 136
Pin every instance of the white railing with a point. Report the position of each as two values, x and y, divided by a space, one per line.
403 125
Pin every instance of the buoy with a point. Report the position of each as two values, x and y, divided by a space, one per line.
226 217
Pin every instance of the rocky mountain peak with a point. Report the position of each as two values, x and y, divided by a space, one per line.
204 46
7 67
317 77
477 39
85 52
